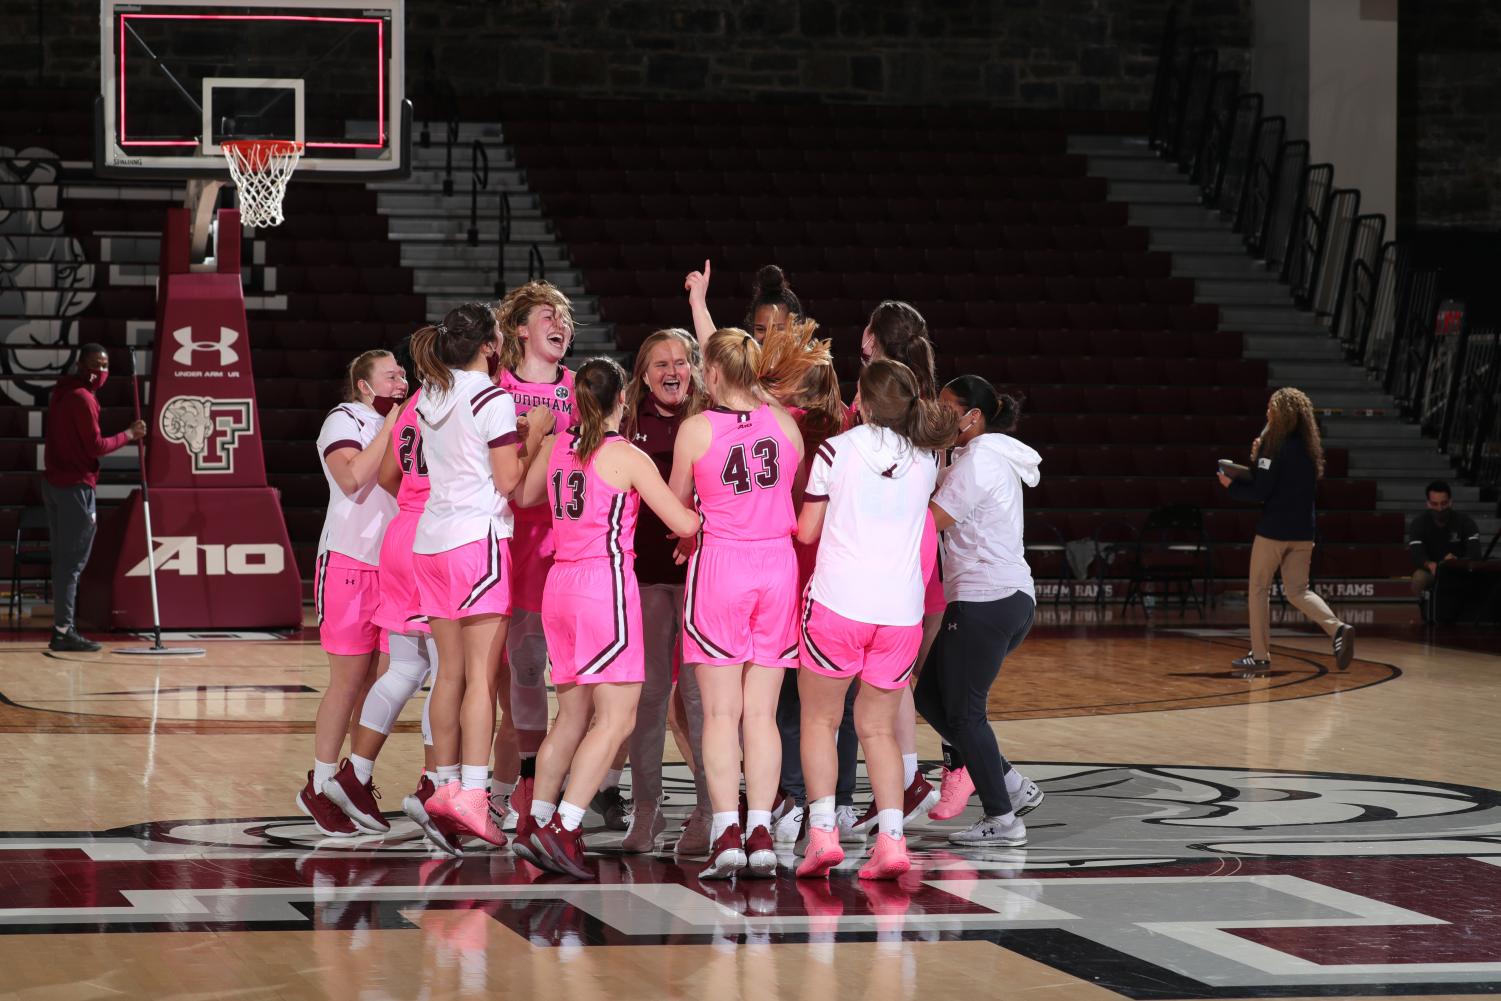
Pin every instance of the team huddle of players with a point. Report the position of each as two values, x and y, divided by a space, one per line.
713 540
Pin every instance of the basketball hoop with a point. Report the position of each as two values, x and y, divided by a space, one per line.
260 169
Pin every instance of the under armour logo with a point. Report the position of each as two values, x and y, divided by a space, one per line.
953 625
638 436
227 355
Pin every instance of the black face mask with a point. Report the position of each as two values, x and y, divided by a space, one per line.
1442 517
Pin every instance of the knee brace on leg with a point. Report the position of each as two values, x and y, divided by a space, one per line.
391 691
526 651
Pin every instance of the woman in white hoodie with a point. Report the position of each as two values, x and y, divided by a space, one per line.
988 586
866 504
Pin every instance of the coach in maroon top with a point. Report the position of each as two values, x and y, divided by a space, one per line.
73 448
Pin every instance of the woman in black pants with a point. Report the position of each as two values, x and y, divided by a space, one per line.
988 585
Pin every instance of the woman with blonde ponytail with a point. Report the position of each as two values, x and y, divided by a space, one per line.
346 582
592 482
739 460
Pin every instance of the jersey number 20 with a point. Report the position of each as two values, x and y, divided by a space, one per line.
736 473
406 453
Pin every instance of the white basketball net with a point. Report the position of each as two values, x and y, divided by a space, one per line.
260 170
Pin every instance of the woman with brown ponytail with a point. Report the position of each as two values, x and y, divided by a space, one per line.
593 482
991 601
866 501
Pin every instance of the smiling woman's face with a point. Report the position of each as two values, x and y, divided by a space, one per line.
669 373
546 335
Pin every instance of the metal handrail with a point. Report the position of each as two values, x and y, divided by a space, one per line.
505 238
536 267
479 179
451 138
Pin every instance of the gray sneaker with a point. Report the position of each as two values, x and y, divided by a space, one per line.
1027 799
695 837
992 832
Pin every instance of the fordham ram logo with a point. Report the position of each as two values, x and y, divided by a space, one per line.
208 428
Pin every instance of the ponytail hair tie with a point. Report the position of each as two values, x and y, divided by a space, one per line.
912 404
441 329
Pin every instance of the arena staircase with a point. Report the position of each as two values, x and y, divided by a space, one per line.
433 229
1357 414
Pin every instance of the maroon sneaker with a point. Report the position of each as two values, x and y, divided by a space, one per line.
521 841
563 849
726 857
356 798
329 819
760 854
917 799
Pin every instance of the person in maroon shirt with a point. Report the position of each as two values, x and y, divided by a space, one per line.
666 386
71 460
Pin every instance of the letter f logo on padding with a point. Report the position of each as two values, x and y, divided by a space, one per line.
184 354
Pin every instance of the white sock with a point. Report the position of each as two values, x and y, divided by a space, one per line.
432 776
322 772
1014 780
821 813
612 779
447 774
1004 819
890 823
363 767
542 811
757 818
501 788
474 776
909 769
570 816
723 822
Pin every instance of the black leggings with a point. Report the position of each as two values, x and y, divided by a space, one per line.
953 692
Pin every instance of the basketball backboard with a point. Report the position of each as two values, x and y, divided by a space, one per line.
180 77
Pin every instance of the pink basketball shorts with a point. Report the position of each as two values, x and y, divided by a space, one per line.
346 593
591 615
473 579
740 604
531 554
399 609
932 602
836 647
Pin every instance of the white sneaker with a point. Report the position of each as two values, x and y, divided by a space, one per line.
786 829
847 822
992 832
1026 799
500 810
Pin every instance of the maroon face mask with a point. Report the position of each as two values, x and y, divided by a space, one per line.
96 379
493 363
385 404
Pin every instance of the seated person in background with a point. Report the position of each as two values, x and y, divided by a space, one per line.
1437 535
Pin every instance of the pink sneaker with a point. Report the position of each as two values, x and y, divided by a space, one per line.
889 860
822 854
470 810
954 795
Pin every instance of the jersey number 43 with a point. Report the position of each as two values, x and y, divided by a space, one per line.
736 473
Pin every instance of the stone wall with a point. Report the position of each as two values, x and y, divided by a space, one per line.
1026 53
1449 114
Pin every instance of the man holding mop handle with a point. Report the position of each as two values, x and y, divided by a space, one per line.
71 459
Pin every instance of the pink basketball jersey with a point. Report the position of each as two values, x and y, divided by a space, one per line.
744 480
556 396
590 519
406 442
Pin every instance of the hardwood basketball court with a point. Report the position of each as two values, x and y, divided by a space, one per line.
1309 834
